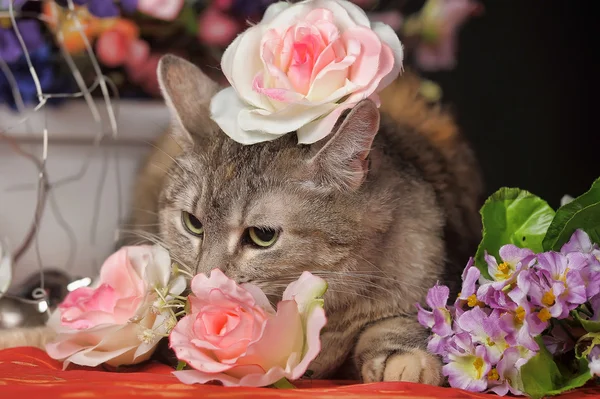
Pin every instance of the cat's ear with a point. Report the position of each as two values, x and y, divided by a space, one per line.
342 161
187 92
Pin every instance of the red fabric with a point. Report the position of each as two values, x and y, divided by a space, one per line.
29 373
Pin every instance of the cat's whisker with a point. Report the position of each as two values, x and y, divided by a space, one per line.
176 162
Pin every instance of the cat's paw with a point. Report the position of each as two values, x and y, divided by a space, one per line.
415 366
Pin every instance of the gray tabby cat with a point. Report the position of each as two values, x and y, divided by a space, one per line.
382 209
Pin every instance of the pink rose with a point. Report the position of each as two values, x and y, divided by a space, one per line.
300 68
121 320
233 334
166 10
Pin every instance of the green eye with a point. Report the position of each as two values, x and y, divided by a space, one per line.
192 224
262 237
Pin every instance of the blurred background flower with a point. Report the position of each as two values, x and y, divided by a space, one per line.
128 36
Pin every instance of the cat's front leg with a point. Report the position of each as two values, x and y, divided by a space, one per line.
394 349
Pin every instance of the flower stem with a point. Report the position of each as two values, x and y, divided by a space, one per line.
283 384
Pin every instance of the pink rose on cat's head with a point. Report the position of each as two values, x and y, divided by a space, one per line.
300 68
233 334
121 320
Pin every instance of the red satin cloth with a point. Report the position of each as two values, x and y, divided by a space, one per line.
28 373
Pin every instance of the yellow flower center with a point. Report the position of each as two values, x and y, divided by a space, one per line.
490 342
472 300
563 278
519 315
493 375
503 271
478 364
544 315
548 298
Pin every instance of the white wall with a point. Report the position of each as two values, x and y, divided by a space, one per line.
71 128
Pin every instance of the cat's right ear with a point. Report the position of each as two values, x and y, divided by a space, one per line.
187 92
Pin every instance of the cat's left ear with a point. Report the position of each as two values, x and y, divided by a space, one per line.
342 161
187 92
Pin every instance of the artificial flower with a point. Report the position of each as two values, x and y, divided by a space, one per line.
121 319
113 46
10 47
514 259
98 8
553 287
51 81
468 364
217 28
304 64
485 330
74 31
233 334
506 376
594 361
166 10
437 25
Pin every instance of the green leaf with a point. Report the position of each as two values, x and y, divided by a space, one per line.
581 213
181 365
512 216
189 20
540 374
283 384
542 377
589 325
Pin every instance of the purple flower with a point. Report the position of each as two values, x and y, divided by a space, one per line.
514 259
98 8
129 6
10 48
468 365
468 293
584 256
522 325
553 286
507 374
439 320
485 329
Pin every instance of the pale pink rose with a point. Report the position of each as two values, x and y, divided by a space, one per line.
217 28
233 334
300 68
166 10
440 22
121 320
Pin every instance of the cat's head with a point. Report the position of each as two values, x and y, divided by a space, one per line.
263 213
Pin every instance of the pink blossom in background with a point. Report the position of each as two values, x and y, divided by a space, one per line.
217 28
166 10
441 20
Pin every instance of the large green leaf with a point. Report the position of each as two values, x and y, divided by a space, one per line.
542 377
512 216
581 213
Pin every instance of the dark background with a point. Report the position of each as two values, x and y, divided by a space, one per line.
523 92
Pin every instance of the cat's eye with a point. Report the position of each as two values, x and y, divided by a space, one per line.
261 237
192 224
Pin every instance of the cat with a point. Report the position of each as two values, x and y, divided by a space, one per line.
382 209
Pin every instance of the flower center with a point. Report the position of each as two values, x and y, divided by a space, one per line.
490 342
544 315
519 314
478 364
504 271
493 375
548 298
563 278
472 300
